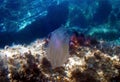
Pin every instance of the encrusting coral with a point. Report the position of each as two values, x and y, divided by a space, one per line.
29 63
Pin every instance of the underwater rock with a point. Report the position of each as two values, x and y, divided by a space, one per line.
83 50
103 32
28 63
77 40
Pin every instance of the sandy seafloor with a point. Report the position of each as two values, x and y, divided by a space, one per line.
29 63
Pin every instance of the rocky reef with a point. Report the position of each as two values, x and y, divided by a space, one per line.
84 48
98 62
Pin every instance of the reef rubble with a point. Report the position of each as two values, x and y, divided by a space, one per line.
28 63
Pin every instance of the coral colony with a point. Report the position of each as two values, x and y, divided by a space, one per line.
62 57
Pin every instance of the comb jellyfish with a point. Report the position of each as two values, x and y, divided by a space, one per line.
58 47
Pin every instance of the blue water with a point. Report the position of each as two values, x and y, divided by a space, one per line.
23 21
